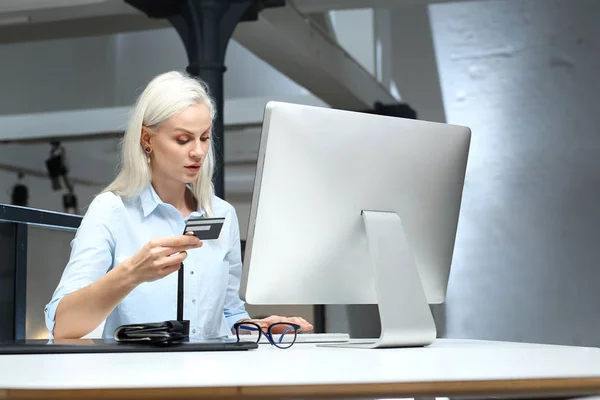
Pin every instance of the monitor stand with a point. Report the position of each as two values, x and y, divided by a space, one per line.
406 320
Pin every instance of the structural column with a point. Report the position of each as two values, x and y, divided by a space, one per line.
205 27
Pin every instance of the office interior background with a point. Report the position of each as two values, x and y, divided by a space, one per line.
522 74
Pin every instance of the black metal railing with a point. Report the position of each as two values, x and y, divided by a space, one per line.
14 221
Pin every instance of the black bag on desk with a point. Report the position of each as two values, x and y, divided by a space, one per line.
173 331
153 332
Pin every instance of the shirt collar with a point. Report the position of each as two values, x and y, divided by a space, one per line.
150 200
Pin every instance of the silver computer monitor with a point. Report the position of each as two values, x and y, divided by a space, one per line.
355 208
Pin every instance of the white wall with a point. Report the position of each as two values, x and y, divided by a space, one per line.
414 68
142 55
106 71
396 46
48 252
355 32
524 76
56 75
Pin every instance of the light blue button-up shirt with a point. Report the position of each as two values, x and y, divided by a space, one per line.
114 229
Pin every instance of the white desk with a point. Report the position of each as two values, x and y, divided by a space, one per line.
448 368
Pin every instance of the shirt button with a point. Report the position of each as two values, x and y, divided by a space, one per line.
193 331
191 272
194 301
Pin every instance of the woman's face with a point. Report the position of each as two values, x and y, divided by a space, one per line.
180 145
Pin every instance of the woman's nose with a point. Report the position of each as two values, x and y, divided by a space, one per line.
198 150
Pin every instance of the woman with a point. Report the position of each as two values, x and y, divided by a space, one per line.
130 240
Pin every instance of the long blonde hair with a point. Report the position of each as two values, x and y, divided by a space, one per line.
166 95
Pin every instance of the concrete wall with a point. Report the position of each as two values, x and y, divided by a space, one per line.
524 76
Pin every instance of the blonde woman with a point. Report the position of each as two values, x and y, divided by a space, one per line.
130 240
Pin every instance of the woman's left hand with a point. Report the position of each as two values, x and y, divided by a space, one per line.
273 319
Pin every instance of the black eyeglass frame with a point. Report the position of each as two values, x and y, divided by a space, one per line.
268 334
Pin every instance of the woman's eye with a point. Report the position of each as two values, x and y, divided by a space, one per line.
204 139
182 141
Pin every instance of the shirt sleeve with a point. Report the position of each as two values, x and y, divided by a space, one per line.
92 252
234 307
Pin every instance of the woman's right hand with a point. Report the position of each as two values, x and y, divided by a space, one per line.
159 257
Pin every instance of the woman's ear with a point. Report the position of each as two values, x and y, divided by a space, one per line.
145 138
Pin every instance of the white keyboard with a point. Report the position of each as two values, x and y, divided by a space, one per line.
311 338
314 338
